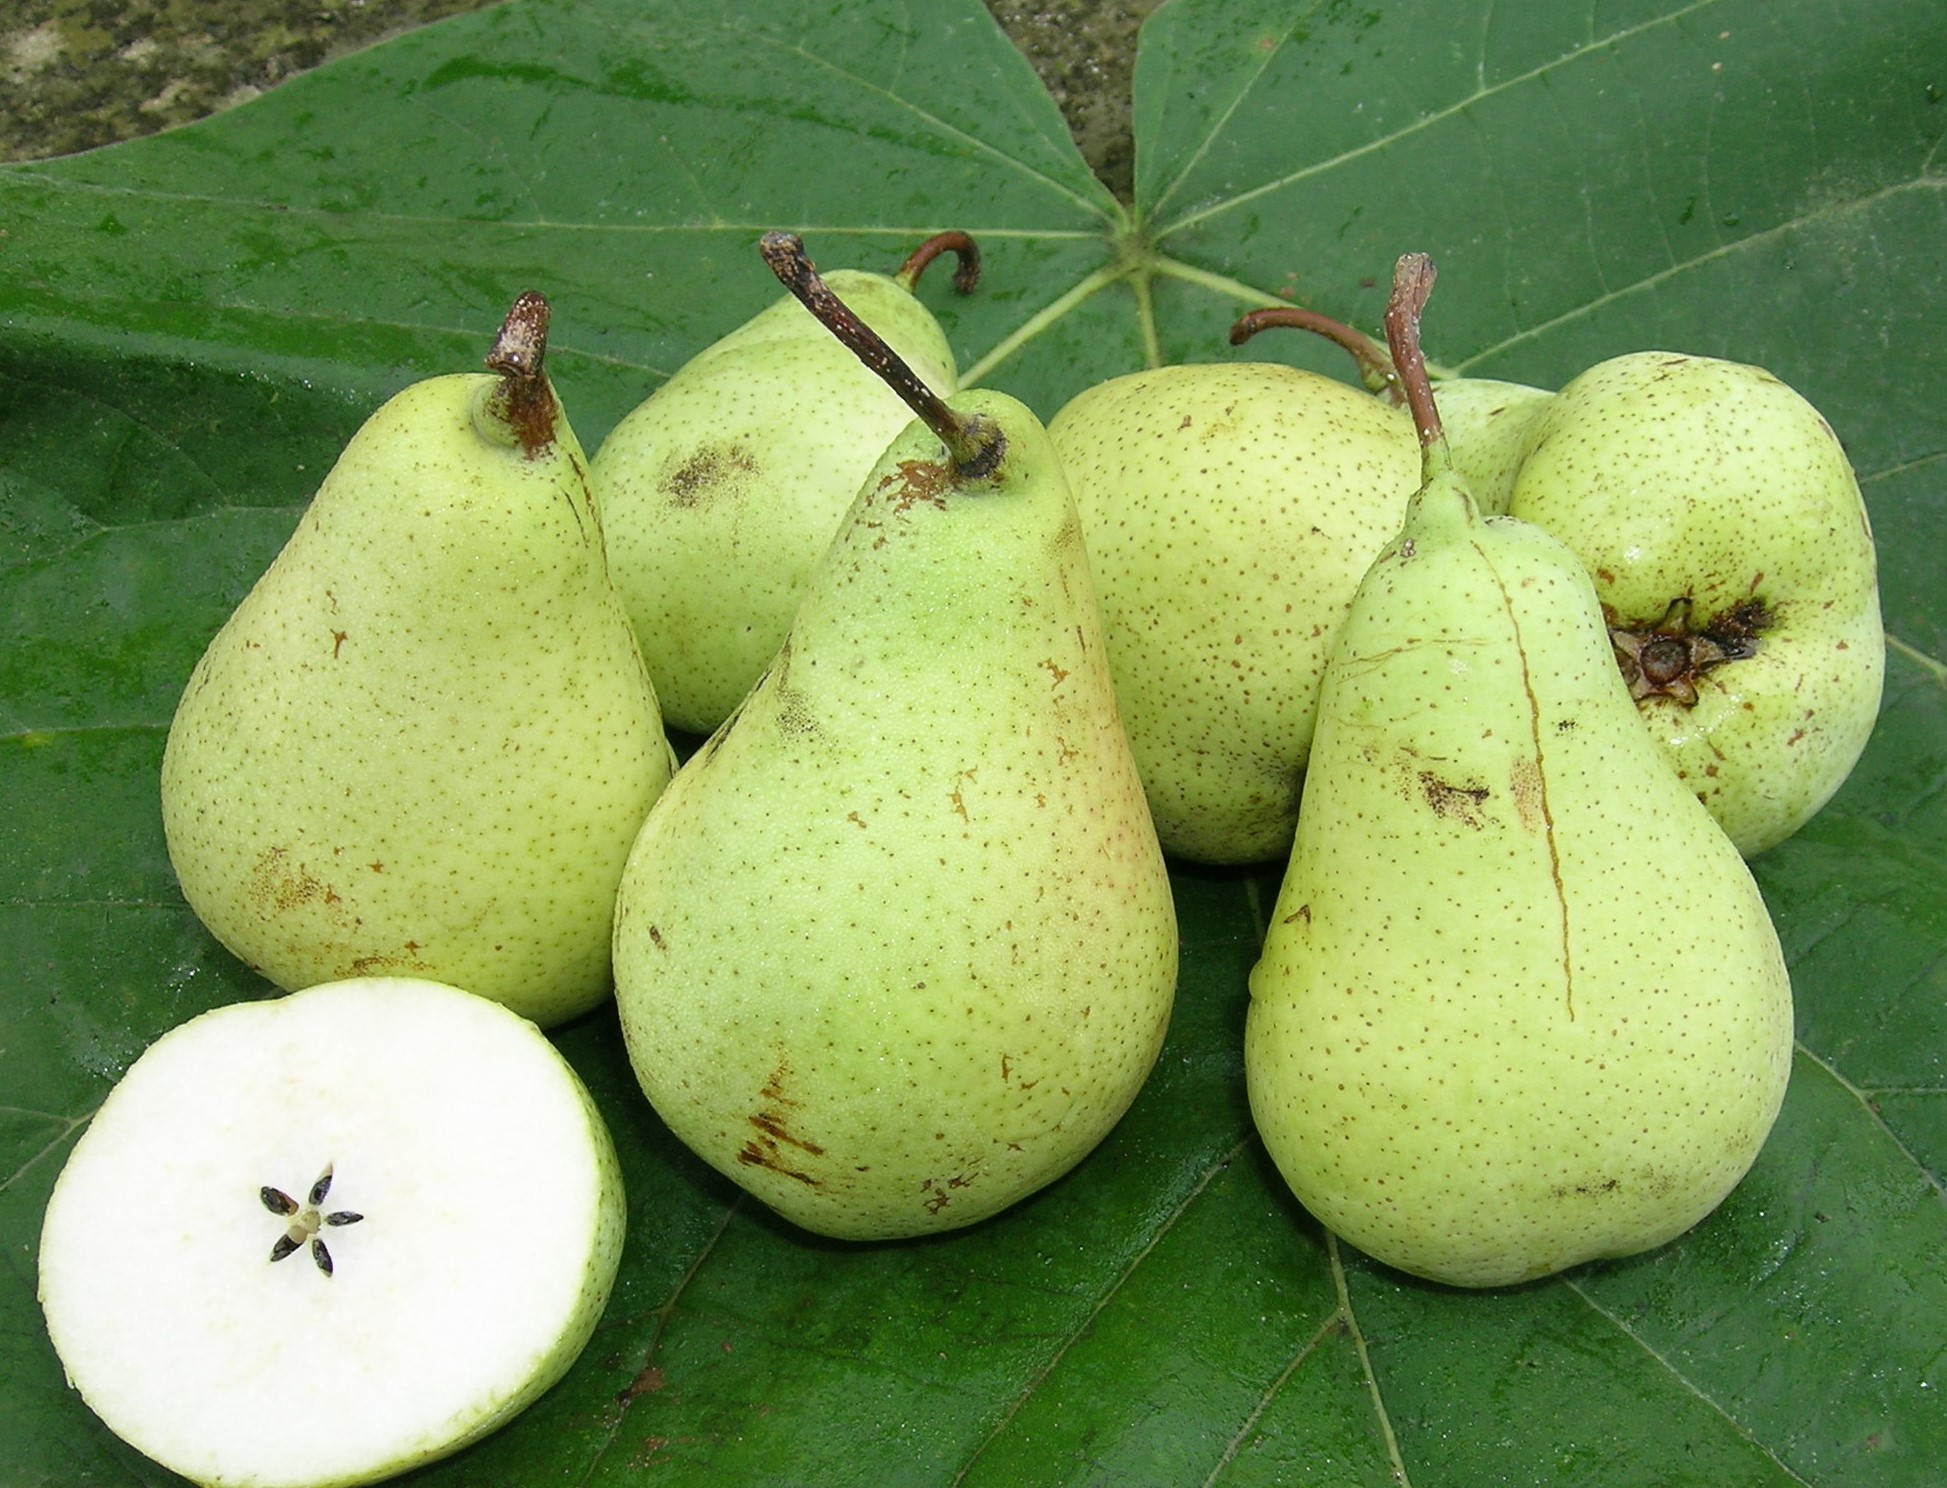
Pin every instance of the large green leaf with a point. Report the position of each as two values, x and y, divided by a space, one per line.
191 325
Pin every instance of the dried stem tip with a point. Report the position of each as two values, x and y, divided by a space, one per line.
1375 368
966 272
1412 286
974 445
519 355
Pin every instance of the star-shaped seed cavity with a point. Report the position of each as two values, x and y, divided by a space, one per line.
306 1220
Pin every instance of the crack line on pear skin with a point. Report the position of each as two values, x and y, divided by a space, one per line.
1541 782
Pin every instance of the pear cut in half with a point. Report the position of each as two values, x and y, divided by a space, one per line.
324 1238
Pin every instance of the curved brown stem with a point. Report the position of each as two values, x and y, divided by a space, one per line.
975 445
1375 367
519 355
966 272
1413 279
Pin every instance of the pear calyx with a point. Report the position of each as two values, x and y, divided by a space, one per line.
1667 658
975 444
1375 367
966 272
524 401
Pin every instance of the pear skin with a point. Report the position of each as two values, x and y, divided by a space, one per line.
1489 425
1720 519
424 741
897 946
717 505
1520 1004
1230 511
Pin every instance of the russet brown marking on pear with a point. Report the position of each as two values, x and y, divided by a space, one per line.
1461 803
708 472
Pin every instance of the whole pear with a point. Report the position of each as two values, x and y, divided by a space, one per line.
897 946
717 508
424 741
1520 1004
1732 553
1229 511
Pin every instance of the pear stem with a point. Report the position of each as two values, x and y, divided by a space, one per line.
974 445
519 355
1375 367
966 272
1413 279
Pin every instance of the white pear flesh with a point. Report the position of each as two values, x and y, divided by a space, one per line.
1520 1004
492 1224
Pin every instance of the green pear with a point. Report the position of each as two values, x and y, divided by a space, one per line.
1731 550
1229 511
324 1238
425 740
897 947
718 502
1520 1004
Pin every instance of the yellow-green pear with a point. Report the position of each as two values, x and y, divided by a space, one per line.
897 947
424 741
717 506
1520 1004
1729 545
1229 510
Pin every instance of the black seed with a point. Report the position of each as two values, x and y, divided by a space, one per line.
321 1256
321 1187
277 1201
284 1246
343 1217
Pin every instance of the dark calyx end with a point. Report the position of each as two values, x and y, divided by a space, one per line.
975 446
525 400
1375 367
1413 279
966 273
1666 659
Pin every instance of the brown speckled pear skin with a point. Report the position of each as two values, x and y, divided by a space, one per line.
716 509
897 947
1676 477
1489 425
424 741
1230 511
1520 1004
